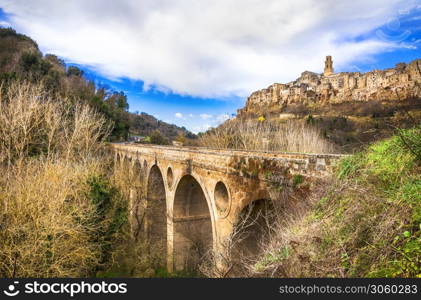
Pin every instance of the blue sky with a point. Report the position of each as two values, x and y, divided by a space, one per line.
196 114
193 63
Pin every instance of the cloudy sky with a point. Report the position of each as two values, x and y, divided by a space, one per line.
194 62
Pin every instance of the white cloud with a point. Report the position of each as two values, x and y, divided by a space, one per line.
212 121
179 115
222 118
4 24
201 128
216 119
209 48
191 115
205 116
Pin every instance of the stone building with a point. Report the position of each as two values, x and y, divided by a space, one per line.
328 66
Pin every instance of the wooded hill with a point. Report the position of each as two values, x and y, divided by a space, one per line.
21 59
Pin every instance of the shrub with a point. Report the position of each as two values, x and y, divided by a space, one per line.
158 139
110 214
411 140
58 212
46 221
74 71
33 123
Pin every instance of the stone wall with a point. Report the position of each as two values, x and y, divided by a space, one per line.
235 162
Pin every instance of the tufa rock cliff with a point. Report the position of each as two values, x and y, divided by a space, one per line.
311 89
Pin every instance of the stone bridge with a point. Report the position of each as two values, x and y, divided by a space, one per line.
187 200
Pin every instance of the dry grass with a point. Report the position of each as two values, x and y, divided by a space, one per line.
292 136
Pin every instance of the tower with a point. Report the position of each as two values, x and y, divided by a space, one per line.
328 66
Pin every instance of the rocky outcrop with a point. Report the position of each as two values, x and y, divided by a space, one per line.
395 84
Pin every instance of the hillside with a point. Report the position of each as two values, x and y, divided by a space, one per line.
365 222
144 124
21 59
351 108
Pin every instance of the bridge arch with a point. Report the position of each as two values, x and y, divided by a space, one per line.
222 199
156 213
192 224
252 226
135 196
170 177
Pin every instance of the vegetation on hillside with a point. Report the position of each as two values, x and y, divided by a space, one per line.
350 125
20 59
146 125
59 211
64 204
267 136
367 223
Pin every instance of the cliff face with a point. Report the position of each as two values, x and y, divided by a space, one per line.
395 84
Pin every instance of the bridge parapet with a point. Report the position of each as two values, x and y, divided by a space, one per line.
236 162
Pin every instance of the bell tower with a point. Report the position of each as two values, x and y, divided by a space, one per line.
328 66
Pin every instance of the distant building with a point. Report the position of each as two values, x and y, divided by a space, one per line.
136 138
328 66
177 143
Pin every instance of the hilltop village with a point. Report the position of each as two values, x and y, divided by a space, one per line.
403 82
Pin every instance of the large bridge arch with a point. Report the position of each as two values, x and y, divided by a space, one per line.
193 223
156 212
136 194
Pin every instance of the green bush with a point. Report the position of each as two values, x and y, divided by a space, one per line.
411 140
110 215
158 139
